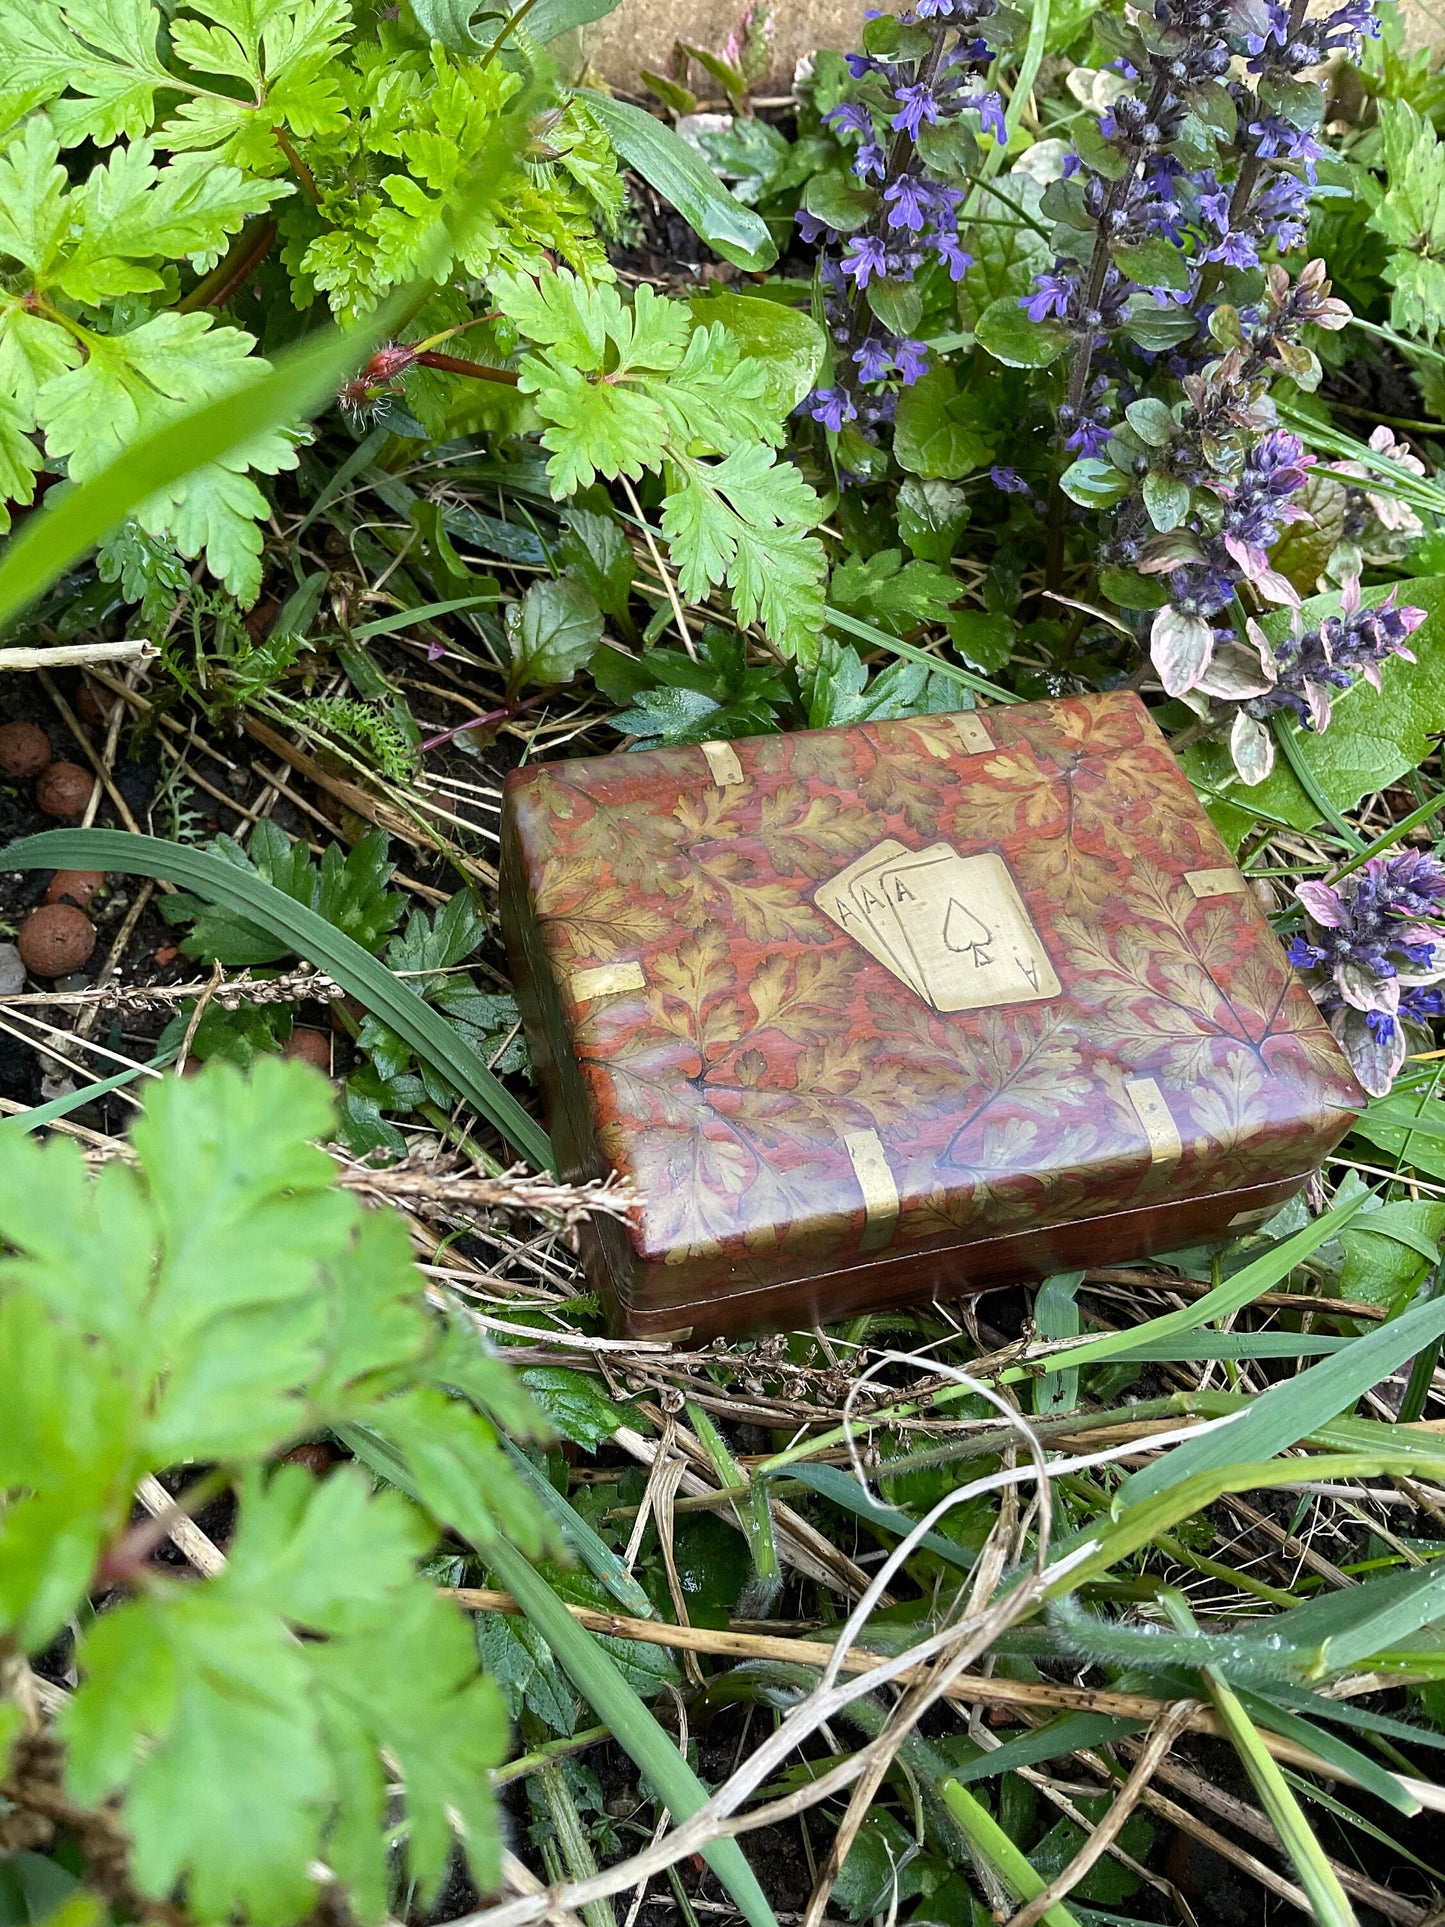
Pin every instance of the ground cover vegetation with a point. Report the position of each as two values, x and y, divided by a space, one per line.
383 403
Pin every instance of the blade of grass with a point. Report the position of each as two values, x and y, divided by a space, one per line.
360 457
405 618
1290 1410
1355 1765
1056 1315
430 1035
595 1675
1317 1877
60 1107
840 1488
992 1844
1291 741
880 639
1262 1275
593 1551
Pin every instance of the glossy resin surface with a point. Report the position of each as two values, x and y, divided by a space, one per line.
904 1008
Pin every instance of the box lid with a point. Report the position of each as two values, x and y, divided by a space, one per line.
903 985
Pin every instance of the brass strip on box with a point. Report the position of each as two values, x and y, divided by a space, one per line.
972 731
1165 1144
722 760
875 1181
606 980
1225 882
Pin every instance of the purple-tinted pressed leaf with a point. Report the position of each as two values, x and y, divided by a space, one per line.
1164 553
1363 990
1235 673
1276 588
1180 646
1376 1052
1252 747
1323 904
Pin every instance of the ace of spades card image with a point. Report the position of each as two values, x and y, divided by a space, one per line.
953 928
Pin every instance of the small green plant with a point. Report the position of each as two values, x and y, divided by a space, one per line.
622 391
206 1310
344 161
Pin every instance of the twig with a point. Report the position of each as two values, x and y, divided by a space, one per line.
1162 1735
69 655
660 566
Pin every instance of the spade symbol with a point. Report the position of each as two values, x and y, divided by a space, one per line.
963 932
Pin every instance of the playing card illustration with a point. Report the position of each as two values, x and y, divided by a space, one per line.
841 899
951 927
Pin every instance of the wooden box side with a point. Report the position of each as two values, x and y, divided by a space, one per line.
604 1244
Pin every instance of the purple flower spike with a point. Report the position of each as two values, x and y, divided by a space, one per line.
909 204
916 104
864 258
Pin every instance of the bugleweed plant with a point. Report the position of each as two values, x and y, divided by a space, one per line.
1166 320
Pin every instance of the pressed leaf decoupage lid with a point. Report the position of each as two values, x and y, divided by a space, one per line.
855 993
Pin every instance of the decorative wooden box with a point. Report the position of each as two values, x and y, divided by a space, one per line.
904 1010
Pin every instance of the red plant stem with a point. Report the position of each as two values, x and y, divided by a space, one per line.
298 166
505 714
478 371
244 256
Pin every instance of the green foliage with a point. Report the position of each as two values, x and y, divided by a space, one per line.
623 391
426 953
364 151
214 1303
87 367
348 889
1411 217
670 697
553 631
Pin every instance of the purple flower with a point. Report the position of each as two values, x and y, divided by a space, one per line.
865 257
909 203
957 260
1275 138
1053 293
916 104
912 360
832 407
989 108
850 118
873 360
1008 481
810 228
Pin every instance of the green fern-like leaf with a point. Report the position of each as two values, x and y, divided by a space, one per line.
212 1303
625 389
